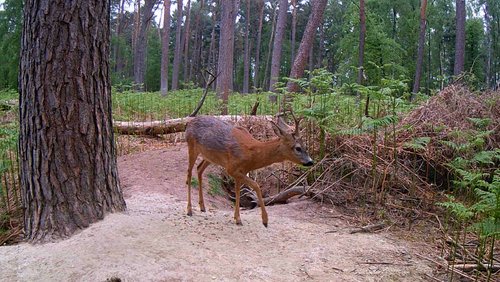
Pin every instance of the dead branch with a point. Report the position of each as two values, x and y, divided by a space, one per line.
205 93
280 198
468 267
253 112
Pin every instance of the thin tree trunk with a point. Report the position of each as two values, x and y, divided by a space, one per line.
118 34
141 44
68 169
420 51
260 7
246 59
278 44
460 38
178 48
429 63
195 67
165 46
394 22
321 47
315 19
137 22
187 38
212 52
226 52
489 49
269 51
362 35
294 29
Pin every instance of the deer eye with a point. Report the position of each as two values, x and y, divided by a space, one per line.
298 149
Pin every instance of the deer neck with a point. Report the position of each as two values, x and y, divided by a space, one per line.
267 153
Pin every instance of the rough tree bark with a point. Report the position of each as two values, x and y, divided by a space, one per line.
68 168
165 42
460 38
226 52
278 44
315 19
142 43
187 37
420 52
178 48
260 8
246 60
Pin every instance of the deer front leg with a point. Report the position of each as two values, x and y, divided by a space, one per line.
192 160
201 168
255 186
237 186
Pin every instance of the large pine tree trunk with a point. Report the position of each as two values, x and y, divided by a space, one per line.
420 52
165 48
260 8
142 43
278 44
460 38
299 65
187 37
226 52
68 168
246 57
178 48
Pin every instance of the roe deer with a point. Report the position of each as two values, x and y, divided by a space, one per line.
235 149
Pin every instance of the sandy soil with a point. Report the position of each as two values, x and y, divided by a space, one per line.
155 241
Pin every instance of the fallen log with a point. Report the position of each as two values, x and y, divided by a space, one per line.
280 198
155 128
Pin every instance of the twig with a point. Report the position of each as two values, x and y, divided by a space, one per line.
368 228
386 263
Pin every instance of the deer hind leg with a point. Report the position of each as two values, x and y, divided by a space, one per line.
255 186
201 168
192 160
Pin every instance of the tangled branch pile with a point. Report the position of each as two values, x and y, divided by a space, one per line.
397 173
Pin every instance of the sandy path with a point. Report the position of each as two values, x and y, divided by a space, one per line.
155 241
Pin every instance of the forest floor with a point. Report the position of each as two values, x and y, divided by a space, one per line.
156 241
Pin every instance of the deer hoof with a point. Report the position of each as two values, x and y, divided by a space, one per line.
265 224
190 213
203 209
238 222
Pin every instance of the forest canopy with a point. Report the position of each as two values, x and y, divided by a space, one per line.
392 39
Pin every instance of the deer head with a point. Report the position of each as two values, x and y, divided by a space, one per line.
295 150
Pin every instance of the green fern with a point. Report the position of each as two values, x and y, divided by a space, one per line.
418 143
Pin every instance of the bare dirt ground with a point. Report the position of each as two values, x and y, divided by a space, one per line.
155 241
